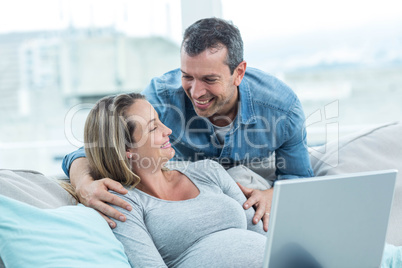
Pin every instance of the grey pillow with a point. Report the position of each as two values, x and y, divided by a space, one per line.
33 188
372 149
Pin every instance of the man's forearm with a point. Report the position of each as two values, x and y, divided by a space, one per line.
80 172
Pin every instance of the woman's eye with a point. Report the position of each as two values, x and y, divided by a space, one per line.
153 129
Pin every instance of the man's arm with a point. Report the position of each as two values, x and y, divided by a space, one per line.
299 167
291 160
292 157
94 193
69 159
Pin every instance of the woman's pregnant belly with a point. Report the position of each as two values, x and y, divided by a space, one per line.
227 248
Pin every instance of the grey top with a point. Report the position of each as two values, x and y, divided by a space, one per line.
210 230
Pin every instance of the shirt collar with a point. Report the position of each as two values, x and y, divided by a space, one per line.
247 114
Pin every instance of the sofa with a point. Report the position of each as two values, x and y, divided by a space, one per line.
39 220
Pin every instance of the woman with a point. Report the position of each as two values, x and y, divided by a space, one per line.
189 216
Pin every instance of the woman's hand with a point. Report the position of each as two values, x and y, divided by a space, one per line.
261 200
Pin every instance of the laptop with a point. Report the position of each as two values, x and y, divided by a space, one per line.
336 221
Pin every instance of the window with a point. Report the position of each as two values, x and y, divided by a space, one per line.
342 58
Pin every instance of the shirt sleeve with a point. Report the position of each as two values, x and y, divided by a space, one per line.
68 160
231 189
133 234
292 157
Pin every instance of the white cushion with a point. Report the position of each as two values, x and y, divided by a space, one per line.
372 149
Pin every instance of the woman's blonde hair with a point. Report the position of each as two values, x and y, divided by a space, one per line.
108 134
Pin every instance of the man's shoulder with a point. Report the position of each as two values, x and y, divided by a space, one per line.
268 91
165 89
166 83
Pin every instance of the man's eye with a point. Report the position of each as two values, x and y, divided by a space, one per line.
186 77
210 80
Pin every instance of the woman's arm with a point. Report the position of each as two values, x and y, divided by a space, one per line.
133 234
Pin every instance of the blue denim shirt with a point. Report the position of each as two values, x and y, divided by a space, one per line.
270 119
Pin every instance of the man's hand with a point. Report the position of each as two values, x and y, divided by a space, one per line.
94 193
261 200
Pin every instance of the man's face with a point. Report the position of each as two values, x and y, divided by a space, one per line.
207 81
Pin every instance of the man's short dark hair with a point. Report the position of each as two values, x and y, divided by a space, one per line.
213 33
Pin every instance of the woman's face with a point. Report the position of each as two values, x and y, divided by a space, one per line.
152 147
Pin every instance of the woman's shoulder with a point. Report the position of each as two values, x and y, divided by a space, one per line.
206 166
208 172
132 197
208 163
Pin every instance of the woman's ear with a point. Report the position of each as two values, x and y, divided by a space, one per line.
129 155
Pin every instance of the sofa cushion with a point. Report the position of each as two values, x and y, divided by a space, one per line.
378 148
44 228
68 236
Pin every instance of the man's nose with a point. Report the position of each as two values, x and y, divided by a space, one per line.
197 90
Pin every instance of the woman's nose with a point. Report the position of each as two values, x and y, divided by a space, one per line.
167 131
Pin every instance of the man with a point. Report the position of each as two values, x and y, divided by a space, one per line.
216 109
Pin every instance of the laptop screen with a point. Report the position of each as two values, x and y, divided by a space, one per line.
331 221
